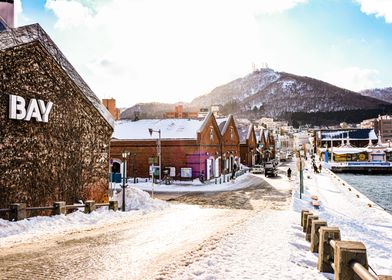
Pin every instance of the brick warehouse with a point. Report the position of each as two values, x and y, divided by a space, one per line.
248 145
186 143
230 144
55 134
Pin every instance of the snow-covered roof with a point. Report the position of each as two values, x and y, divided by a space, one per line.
14 37
355 134
170 129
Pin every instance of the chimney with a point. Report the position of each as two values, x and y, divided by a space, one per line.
7 12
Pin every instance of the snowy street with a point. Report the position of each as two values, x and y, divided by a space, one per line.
136 246
248 232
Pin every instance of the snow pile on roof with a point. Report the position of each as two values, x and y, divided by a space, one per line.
170 129
136 199
357 134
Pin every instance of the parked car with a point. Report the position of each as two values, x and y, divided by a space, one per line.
270 169
257 169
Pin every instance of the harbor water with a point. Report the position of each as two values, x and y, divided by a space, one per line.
377 188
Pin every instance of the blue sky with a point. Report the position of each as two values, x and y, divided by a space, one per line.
175 50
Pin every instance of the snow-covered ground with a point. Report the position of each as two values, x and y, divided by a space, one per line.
358 218
192 242
41 226
242 182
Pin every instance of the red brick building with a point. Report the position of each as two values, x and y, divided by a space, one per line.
185 143
230 144
180 114
110 105
248 144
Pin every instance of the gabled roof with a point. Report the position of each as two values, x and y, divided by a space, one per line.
15 37
223 123
170 129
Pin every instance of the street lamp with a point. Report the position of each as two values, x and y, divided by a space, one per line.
133 167
301 175
125 155
158 150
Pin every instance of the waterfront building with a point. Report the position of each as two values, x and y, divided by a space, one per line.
384 128
358 138
55 133
248 144
230 150
189 146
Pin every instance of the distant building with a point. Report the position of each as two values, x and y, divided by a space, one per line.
248 144
370 123
384 128
230 149
110 105
180 114
355 137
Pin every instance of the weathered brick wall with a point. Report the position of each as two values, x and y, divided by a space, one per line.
64 159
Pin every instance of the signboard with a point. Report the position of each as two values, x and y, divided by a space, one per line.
186 172
152 160
36 109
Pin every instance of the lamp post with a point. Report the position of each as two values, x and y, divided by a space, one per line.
125 155
133 167
158 151
301 175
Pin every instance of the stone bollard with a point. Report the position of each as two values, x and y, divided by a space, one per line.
311 218
90 206
18 212
326 252
306 215
315 235
345 253
113 205
302 216
59 208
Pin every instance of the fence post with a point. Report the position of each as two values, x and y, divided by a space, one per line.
90 206
59 208
326 252
305 223
302 216
113 205
346 252
315 235
18 211
309 226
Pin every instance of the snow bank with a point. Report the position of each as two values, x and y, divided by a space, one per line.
349 210
242 182
136 199
44 225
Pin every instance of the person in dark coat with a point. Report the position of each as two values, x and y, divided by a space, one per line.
289 173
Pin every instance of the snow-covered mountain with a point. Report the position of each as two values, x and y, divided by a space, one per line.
384 94
266 92
276 93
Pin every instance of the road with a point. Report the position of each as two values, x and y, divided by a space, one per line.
143 247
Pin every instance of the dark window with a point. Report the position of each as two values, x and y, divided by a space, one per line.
2 26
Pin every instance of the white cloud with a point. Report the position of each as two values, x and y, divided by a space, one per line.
145 50
380 8
354 78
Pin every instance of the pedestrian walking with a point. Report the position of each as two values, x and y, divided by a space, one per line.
289 173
